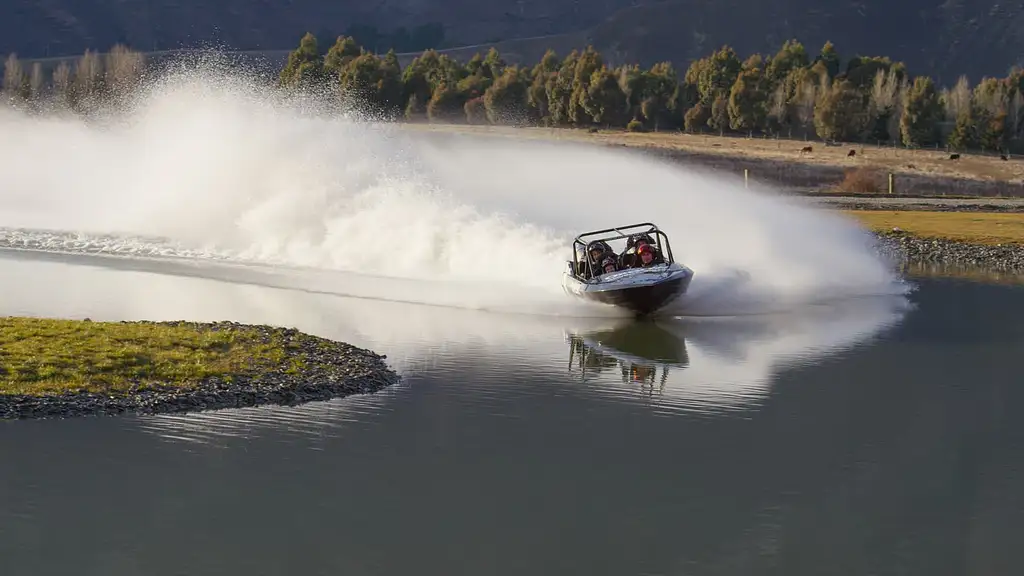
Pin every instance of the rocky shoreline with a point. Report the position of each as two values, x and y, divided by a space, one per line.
332 370
907 247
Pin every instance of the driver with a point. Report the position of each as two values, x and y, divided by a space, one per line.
596 252
633 246
648 256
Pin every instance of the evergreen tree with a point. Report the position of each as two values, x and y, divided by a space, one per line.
605 102
748 101
922 112
304 68
840 113
506 100
339 55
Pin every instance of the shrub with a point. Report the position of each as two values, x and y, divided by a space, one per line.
862 180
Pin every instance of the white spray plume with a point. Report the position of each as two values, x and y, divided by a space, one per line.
216 161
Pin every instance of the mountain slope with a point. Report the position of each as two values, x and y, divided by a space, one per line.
944 38
41 28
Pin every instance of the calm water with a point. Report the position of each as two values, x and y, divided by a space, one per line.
856 440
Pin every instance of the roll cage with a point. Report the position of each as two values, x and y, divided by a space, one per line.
618 233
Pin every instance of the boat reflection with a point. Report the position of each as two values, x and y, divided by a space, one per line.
642 353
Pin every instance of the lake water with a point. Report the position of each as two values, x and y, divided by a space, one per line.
862 439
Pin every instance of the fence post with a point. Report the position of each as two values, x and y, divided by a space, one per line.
890 182
746 178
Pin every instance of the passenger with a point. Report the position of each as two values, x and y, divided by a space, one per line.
609 264
648 256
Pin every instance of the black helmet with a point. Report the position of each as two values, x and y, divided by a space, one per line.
633 239
599 245
607 261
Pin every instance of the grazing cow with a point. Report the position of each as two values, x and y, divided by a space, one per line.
807 149
954 156
851 153
1004 157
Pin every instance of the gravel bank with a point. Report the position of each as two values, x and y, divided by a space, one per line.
333 369
910 248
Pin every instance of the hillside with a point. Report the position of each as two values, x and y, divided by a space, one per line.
47 28
942 38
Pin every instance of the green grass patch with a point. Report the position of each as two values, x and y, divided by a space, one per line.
974 227
40 356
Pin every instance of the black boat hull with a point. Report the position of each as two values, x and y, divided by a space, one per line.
637 292
644 300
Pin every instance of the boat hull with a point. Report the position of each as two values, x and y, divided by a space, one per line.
642 290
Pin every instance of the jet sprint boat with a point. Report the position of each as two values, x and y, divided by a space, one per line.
643 290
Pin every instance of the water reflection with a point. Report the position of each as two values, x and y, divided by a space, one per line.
716 366
791 444
642 353
960 271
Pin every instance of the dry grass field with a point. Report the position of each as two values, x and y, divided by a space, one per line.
896 160
975 227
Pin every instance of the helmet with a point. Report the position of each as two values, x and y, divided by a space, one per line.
607 261
633 239
600 246
645 248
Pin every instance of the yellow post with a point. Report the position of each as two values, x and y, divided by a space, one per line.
890 183
746 178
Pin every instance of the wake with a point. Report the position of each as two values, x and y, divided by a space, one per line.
209 166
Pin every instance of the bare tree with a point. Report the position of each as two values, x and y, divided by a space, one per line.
36 81
958 100
14 79
63 89
882 100
884 90
88 83
992 97
1015 116
803 102
777 104
893 127
124 69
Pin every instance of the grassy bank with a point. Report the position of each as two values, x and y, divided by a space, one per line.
986 228
60 368
40 356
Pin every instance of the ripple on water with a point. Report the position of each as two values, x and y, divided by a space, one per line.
224 427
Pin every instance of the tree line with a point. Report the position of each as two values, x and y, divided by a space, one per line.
91 81
790 93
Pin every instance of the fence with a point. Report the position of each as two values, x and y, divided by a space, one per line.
895 147
912 176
